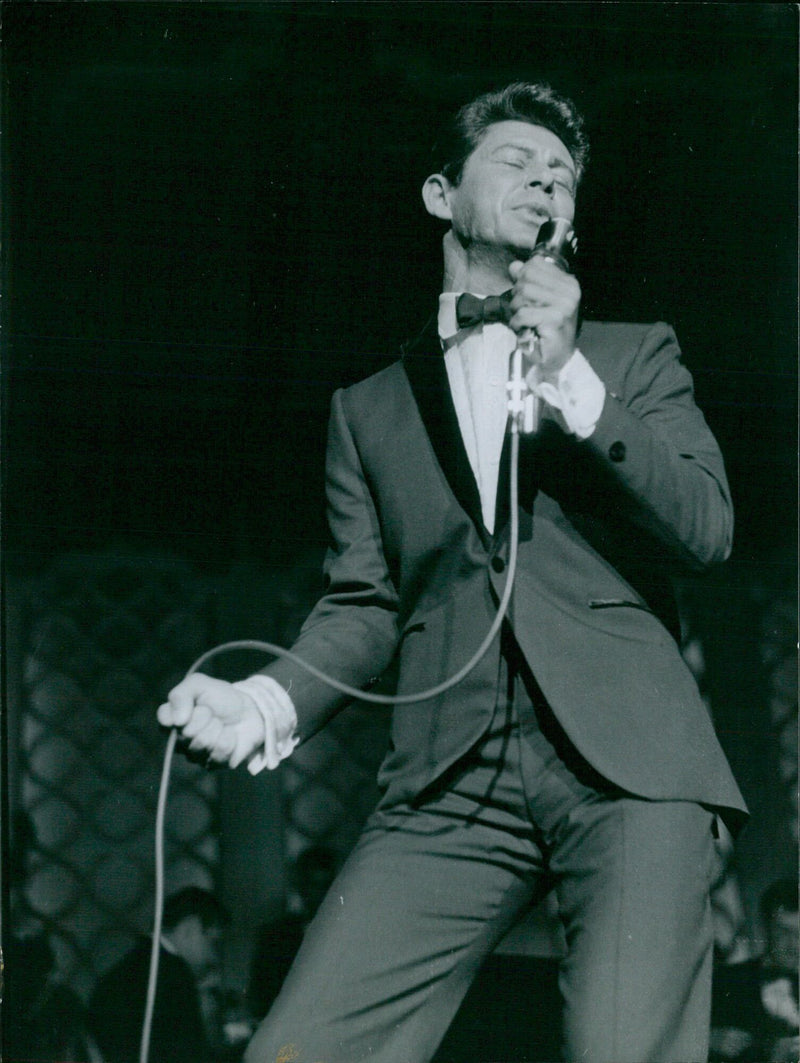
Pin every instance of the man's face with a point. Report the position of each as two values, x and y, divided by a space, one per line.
517 177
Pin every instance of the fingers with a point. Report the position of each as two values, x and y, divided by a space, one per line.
540 282
241 748
224 748
219 742
203 735
201 717
546 300
544 319
214 718
181 701
231 744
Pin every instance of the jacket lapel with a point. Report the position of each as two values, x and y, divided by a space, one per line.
424 365
527 478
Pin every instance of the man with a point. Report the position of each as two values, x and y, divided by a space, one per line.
192 926
755 1014
577 754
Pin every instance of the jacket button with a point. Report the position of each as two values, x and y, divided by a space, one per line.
498 564
617 451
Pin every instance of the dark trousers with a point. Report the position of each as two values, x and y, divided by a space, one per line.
431 888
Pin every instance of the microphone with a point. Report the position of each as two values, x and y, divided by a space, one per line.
557 243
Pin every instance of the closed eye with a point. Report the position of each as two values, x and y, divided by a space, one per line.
519 158
564 178
518 162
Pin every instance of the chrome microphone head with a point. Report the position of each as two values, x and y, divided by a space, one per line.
557 242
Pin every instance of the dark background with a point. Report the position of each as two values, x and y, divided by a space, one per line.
212 218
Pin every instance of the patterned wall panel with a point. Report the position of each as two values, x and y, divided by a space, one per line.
778 653
328 785
99 641
103 637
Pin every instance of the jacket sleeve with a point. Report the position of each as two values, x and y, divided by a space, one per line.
352 632
654 443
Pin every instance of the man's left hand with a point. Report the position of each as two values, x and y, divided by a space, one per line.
546 299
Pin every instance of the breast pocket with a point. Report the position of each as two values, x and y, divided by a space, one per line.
619 603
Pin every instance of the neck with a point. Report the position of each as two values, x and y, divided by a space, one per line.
475 268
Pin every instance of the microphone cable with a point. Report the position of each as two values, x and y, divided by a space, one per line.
361 695
152 979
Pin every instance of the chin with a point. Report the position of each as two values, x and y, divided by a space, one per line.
521 249
520 244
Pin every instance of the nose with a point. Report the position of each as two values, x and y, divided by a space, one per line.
541 176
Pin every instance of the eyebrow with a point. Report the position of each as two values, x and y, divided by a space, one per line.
557 160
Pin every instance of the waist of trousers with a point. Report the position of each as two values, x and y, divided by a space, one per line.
524 759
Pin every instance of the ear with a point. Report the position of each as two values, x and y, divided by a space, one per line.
436 196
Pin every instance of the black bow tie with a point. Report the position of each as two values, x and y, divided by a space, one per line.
470 310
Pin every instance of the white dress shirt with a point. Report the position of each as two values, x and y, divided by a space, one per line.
477 362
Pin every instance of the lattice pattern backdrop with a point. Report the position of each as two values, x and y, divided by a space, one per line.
778 654
328 785
103 639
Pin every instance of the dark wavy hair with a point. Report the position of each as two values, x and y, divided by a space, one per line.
521 101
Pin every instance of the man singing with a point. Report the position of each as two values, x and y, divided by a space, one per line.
577 755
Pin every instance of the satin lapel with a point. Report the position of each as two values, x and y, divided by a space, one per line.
528 485
426 372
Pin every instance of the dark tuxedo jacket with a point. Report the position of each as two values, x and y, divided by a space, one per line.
413 575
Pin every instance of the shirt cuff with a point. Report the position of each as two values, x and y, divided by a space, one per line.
578 393
277 711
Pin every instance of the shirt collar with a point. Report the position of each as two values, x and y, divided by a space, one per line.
448 327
